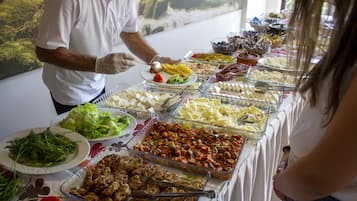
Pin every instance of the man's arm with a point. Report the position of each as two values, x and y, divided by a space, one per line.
64 58
138 46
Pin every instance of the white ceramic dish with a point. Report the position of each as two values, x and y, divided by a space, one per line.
80 154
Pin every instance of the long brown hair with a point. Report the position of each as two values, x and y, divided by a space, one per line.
341 54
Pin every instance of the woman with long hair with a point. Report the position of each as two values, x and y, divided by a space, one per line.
322 164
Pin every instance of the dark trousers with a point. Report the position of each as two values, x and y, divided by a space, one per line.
329 198
60 108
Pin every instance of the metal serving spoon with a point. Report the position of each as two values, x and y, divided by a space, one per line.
155 66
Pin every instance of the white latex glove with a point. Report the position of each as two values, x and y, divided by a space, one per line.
114 63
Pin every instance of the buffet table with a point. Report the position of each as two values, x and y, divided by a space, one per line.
252 179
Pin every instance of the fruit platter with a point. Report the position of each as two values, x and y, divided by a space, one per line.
170 75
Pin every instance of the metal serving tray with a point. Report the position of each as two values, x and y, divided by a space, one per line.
199 181
178 162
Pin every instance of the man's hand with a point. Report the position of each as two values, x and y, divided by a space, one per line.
165 60
114 63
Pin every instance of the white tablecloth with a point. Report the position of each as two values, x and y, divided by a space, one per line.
253 179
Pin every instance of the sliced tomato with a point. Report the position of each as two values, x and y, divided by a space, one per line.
158 78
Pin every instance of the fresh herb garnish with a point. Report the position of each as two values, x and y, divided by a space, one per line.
9 186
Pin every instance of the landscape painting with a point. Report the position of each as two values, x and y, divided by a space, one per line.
161 15
18 26
19 20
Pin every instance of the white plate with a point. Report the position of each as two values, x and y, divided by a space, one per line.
128 130
146 75
81 152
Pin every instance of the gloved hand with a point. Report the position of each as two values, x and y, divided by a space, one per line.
114 63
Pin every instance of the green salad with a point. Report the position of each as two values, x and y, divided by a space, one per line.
42 149
90 122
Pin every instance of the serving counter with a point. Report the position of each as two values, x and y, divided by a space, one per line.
252 177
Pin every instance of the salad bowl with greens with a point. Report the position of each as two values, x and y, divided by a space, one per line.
98 124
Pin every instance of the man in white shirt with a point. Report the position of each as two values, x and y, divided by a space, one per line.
77 38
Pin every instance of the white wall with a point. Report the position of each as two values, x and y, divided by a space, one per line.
26 103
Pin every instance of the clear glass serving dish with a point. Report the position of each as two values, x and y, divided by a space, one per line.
190 146
191 89
223 46
207 56
223 112
273 77
203 70
141 101
115 165
245 94
231 72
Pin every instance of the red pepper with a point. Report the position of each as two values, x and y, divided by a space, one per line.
50 198
158 78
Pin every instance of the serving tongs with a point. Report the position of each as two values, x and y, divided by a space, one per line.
262 87
166 108
190 191
246 118
144 195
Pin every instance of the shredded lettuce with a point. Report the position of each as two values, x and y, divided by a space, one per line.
90 122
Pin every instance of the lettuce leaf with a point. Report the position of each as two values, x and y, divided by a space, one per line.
90 122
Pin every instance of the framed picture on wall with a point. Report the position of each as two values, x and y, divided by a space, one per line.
18 26
19 20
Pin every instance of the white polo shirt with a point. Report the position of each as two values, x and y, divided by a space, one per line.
87 27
